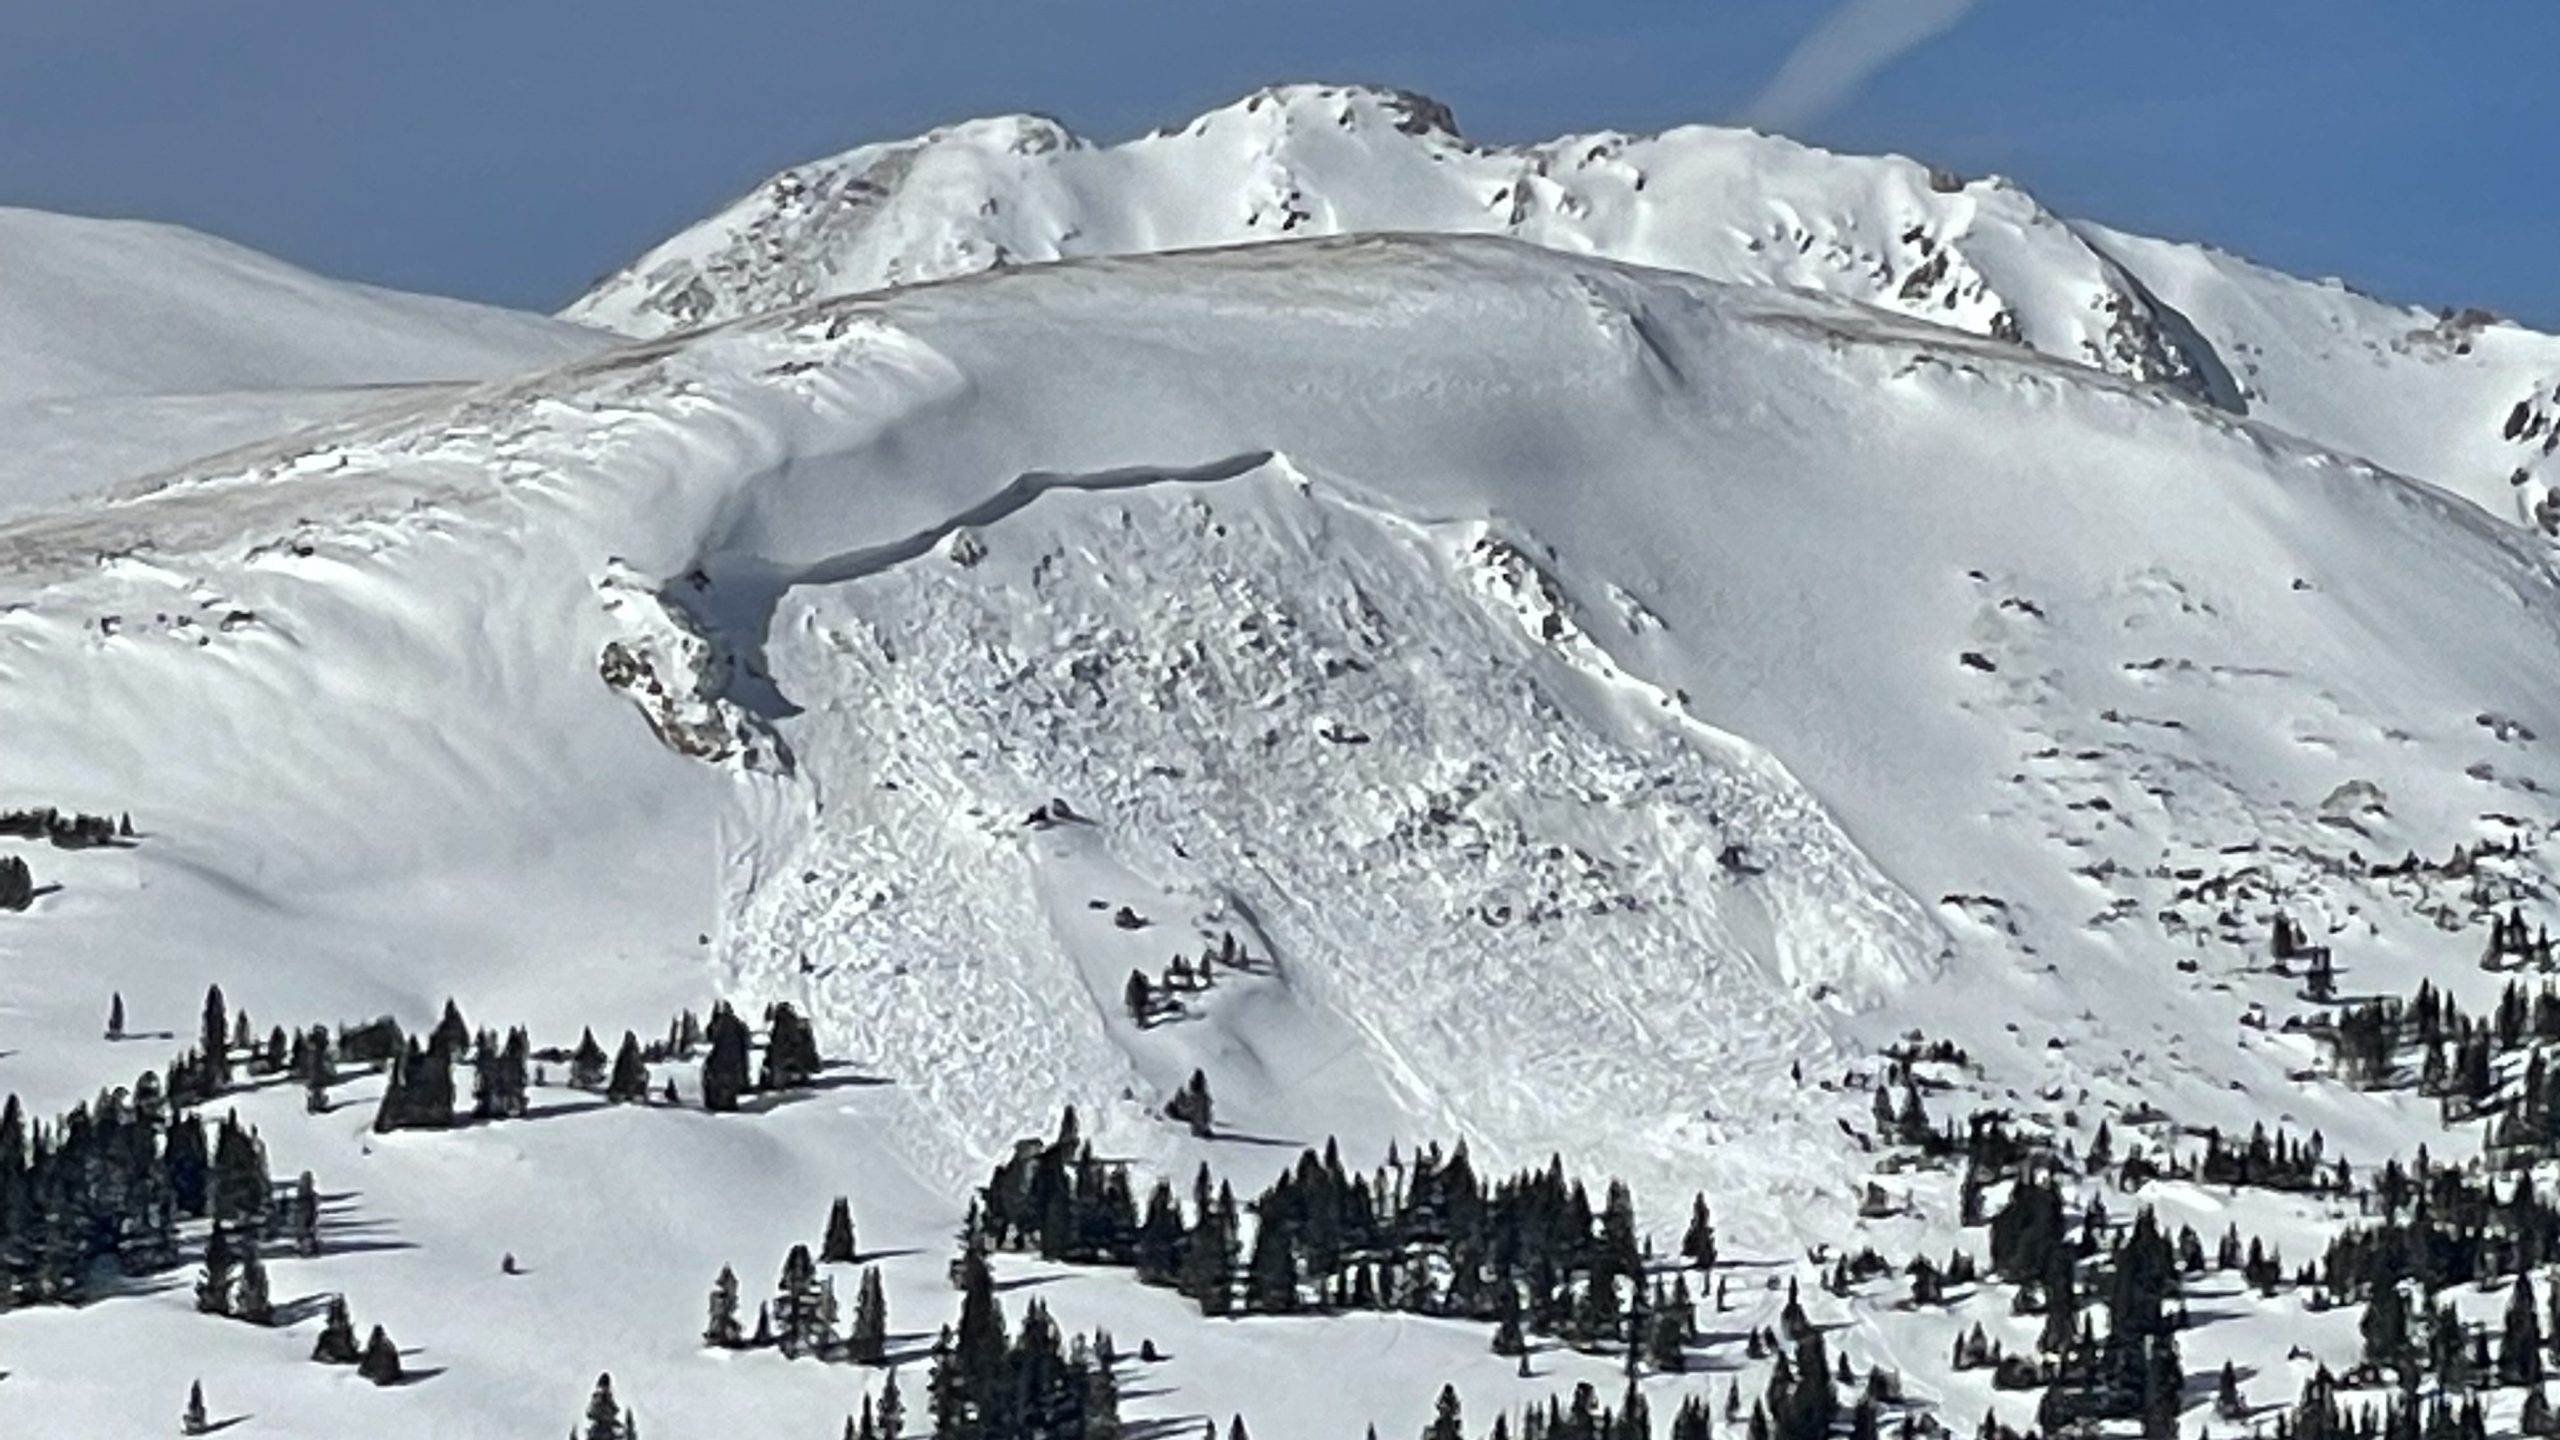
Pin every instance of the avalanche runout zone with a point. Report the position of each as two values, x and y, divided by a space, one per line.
1521 903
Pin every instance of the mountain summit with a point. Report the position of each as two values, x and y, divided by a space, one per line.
2457 398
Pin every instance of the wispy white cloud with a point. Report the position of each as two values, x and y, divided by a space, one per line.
1845 51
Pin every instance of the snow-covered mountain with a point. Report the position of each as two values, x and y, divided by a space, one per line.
1608 704
2460 399
127 348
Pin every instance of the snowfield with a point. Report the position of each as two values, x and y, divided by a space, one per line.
129 348
1608 706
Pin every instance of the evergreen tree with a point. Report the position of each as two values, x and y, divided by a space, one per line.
587 1062
1271 1277
721 1332
450 1035
317 1071
2385 1327
870 1342
791 1055
1447 1421
381 1362
303 1216
2227 1402
499 1073
252 1302
837 1247
1507 1339
337 1342
799 1321
192 1420
115 1016
1698 1244
1666 1341
606 1419
241 1187
893 1410
2520 1348
1209 1255
2163 1384
828 1318
1192 1105
724 1070
1619 1252
1101 1388
946 1397
215 1041
630 1082
213 1286
396 1107
978 1358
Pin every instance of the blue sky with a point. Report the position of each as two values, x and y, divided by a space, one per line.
511 150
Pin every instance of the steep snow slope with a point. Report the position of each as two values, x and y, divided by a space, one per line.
2431 399
2462 398
1587 694
128 347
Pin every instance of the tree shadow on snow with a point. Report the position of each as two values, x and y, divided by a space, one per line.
114 1286
307 1307
2198 1318
1267 1142
1163 1427
557 1109
767 1101
1026 1282
227 1421
873 1257
364 1247
341 1232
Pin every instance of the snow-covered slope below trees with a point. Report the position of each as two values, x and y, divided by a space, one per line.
1605 706
126 348
2466 402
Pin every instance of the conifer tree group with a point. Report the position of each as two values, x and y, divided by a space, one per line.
991 1384
114 1180
804 1318
1529 1254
